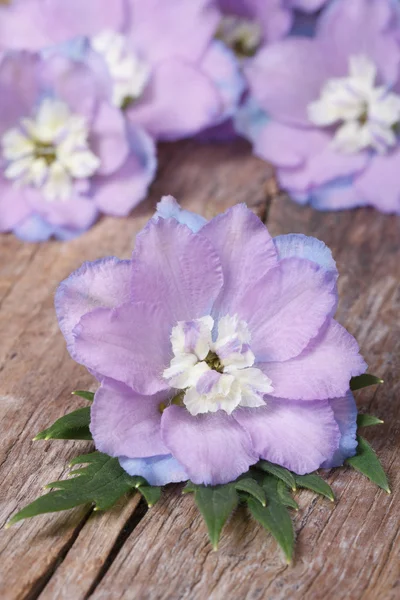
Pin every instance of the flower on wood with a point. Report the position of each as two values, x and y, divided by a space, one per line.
215 346
332 108
67 154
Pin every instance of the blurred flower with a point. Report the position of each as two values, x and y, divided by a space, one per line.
66 153
332 108
249 24
215 346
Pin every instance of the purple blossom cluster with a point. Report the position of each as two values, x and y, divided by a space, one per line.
215 346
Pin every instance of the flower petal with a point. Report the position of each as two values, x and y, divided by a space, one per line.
345 412
296 435
179 268
103 283
168 208
124 423
179 101
322 371
119 193
108 138
213 448
14 207
303 246
182 29
382 171
19 86
287 308
129 343
157 470
246 251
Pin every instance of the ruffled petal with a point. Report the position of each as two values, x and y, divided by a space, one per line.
213 448
129 343
287 308
179 101
322 371
124 423
157 470
179 268
246 251
303 246
296 435
168 208
345 412
103 283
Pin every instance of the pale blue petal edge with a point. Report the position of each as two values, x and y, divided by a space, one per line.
345 412
168 208
157 470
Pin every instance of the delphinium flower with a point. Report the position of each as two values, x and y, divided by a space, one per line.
249 24
332 108
66 153
215 345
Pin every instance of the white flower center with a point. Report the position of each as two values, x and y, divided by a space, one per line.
49 151
215 375
366 114
242 35
128 72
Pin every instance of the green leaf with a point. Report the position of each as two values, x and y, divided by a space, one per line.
367 463
279 472
315 483
189 488
285 496
251 487
102 482
86 395
275 518
367 420
151 494
216 504
74 426
362 381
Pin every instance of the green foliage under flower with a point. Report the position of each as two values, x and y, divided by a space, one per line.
266 489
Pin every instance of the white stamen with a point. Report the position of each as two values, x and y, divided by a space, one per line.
49 151
365 114
235 383
128 72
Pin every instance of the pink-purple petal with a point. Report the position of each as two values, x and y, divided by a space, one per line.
287 308
296 435
103 283
213 449
129 343
179 268
246 251
108 138
322 371
124 423
345 413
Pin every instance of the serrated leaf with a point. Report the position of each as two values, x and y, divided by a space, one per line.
275 518
151 494
367 420
83 394
285 496
362 381
315 483
251 487
367 463
102 482
216 504
279 472
74 426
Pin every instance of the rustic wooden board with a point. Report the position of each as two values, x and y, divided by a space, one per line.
345 550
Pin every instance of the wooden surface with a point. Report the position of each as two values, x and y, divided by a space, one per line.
349 549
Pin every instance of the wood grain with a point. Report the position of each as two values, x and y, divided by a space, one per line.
344 550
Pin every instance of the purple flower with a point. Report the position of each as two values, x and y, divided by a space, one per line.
248 24
333 108
215 346
66 153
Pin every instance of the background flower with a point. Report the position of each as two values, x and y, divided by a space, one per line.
213 349
66 153
332 107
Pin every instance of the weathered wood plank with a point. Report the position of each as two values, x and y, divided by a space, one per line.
345 550
37 375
